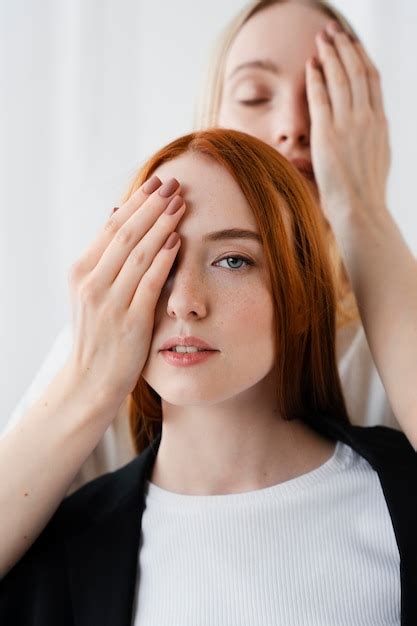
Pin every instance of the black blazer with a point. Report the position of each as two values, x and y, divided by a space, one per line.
81 571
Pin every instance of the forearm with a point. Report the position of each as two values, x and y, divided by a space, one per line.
40 457
383 273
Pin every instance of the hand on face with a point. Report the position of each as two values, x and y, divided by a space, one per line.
349 131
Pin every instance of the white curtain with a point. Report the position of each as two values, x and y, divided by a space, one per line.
89 89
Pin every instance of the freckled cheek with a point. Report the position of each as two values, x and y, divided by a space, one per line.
250 320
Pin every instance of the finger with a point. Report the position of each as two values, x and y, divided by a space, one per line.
142 222
374 80
336 79
140 259
355 69
149 289
317 96
93 253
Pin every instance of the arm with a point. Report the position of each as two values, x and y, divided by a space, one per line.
114 287
71 419
383 273
54 360
351 157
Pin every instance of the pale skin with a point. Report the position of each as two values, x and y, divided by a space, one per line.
208 410
114 288
331 112
318 118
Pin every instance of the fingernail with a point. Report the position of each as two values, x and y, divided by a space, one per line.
315 63
168 188
325 36
151 185
336 26
175 204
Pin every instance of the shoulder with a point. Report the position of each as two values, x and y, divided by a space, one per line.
112 492
386 436
387 447
103 498
99 498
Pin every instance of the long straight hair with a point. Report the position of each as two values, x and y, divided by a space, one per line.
291 228
207 114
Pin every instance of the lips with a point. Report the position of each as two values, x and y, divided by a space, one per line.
197 342
177 359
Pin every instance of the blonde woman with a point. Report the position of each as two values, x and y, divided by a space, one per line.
252 500
326 116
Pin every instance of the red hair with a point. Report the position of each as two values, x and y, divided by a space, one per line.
292 230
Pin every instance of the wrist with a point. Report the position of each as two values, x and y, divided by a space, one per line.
75 401
87 385
356 218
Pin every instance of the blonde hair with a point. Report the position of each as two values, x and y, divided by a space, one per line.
207 111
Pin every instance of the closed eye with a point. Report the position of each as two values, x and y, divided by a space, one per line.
235 257
254 102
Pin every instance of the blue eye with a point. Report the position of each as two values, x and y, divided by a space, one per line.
238 258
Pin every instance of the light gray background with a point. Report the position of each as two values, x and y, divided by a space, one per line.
89 89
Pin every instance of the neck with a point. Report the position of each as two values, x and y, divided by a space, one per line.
206 451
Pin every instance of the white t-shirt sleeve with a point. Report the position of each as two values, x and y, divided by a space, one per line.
115 448
366 399
53 362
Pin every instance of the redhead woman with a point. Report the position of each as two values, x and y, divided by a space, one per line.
252 498
287 74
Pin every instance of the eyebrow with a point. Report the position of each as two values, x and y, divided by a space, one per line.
266 65
232 233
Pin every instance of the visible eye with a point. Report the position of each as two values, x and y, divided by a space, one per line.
237 257
254 102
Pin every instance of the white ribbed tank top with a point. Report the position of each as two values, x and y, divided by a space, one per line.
317 550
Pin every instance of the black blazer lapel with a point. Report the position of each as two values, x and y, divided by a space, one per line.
103 552
399 490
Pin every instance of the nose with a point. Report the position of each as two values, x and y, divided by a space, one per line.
187 296
291 125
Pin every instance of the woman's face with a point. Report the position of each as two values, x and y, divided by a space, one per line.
213 295
264 91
